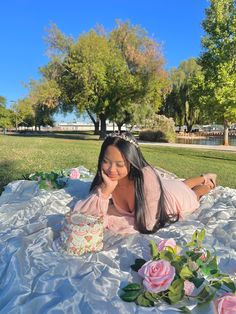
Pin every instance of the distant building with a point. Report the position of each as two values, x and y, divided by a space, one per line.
80 126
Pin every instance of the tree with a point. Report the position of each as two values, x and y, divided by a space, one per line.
149 80
79 69
3 101
6 115
218 61
110 76
44 100
98 70
184 101
23 112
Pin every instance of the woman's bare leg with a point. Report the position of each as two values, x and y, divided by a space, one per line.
192 182
201 185
206 179
201 190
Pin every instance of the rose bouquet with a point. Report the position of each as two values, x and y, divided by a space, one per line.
48 180
179 275
58 179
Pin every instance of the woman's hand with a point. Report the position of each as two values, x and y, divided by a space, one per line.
108 185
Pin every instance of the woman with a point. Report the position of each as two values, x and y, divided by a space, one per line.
131 195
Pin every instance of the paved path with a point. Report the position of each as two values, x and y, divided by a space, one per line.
212 147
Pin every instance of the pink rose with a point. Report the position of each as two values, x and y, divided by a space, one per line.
164 243
226 304
157 275
188 287
203 257
74 174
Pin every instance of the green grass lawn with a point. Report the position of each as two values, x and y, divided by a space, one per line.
21 155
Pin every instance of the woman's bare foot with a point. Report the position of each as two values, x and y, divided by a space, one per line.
210 179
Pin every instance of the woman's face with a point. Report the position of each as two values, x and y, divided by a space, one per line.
114 164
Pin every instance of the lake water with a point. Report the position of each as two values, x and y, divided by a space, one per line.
206 141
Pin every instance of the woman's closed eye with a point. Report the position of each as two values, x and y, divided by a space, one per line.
120 165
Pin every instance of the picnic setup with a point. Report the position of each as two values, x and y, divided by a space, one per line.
38 272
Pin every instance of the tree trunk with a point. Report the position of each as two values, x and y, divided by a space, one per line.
188 121
119 125
16 124
189 127
96 127
226 133
103 126
95 122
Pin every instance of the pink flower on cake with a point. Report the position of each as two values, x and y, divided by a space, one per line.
74 174
226 304
158 275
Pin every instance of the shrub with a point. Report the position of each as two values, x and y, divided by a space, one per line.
162 129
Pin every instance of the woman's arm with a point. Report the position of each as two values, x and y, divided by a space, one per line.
96 204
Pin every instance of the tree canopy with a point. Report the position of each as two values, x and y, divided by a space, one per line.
6 115
218 61
183 103
115 76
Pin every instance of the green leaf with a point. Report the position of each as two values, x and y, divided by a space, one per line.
213 263
166 255
175 297
139 262
200 262
43 185
141 300
130 296
180 258
201 235
43 176
223 275
177 265
195 255
208 254
192 243
194 236
210 268
214 271
154 297
154 249
185 273
171 250
205 295
229 284
177 286
50 176
216 284
197 281
132 287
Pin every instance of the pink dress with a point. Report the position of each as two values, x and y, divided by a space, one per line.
179 198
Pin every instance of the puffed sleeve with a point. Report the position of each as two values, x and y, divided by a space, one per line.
95 204
151 195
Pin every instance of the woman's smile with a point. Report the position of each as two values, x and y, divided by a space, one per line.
114 164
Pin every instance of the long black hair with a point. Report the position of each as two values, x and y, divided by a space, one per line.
129 148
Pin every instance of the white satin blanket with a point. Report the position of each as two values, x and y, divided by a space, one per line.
37 278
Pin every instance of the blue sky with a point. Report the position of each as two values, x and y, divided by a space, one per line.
174 23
